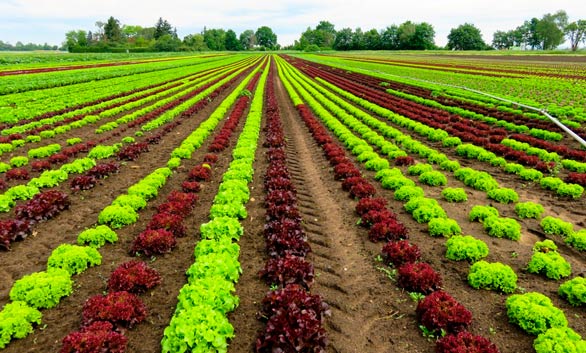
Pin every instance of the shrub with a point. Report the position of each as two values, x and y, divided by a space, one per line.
100 336
529 210
574 291
559 340
443 227
466 248
555 226
493 276
74 258
433 178
503 195
97 237
418 277
401 252
118 308
546 260
134 277
153 242
465 342
440 312
502 227
42 290
534 313
454 194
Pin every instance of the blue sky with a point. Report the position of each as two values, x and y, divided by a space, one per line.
40 21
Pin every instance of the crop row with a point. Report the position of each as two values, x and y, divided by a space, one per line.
428 211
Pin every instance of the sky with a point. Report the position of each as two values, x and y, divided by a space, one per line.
40 21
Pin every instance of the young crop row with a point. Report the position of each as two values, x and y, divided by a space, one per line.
426 210
438 312
19 316
562 97
59 100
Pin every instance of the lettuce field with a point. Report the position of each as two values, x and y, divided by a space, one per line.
370 202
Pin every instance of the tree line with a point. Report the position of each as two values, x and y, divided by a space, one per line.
20 46
112 36
546 33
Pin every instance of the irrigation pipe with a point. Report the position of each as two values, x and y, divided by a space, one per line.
542 111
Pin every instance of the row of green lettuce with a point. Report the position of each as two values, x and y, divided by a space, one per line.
199 323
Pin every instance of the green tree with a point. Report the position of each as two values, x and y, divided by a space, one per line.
405 34
231 42
357 39
195 42
503 40
167 42
266 38
390 38
550 29
131 32
372 40
75 39
465 37
162 27
343 39
247 39
112 30
215 39
424 37
576 33
325 34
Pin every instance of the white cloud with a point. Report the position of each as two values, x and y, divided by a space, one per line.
288 18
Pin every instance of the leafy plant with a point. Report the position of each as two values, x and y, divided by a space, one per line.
577 240
73 141
559 340
153 242
529 210
502 227
401 252
494 276
555 226
433 178
134 277
454 194
22 192
42 290
574 291
215 264
551 183
466 247
503 195
386 230
97 237
222 227
443 227
573 191
99 336
530 175
440 311
118 308
214 330
74 258
16 321
18 161
405 193
465 342
117 216
419 168
546 260
370 203
418 277
534 313
288 269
